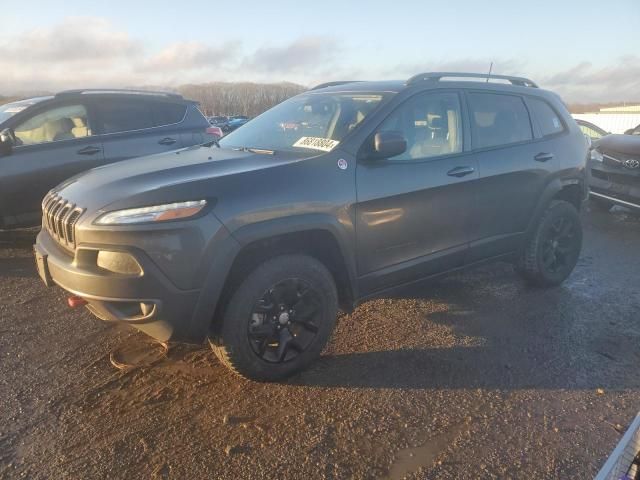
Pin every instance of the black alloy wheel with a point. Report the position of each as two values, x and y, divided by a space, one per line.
283 322
559 244
552 250
278 319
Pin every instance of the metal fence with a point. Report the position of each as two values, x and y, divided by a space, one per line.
611 122
624 462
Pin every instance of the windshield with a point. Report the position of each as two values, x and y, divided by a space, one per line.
312 121
10 109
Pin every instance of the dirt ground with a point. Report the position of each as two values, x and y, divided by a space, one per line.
474 375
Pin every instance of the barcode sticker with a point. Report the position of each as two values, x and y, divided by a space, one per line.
317 143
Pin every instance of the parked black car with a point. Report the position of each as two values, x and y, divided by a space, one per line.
332 197
48 139
615 172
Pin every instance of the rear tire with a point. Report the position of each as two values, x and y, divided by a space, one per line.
279 319
552 252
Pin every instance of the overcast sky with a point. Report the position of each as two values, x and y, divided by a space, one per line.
585 50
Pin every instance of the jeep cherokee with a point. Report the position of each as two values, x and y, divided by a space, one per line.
337 195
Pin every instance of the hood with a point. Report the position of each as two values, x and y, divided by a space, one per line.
626 144
144 179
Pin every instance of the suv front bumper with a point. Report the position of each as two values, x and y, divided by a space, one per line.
617 185
147 300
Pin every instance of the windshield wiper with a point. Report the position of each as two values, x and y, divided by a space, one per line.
212 143
260 151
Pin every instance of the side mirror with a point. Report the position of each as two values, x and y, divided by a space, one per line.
388 144
7 141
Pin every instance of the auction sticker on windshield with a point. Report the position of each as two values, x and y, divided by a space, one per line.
317 143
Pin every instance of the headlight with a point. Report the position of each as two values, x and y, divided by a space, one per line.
156 213
596 156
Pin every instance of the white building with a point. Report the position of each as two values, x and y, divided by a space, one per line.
613 119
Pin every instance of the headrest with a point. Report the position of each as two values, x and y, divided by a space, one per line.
78 122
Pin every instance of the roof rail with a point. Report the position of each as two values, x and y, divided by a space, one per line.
437 76
98 91
333 84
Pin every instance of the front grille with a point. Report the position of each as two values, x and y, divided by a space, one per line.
615 159
59 218
622 178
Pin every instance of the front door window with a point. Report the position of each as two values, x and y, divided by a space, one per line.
61 123
431 125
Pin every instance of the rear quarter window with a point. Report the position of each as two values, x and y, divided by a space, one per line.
168 113
124 115
548 120
498 119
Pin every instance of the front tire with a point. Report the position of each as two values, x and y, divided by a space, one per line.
279 319
552 252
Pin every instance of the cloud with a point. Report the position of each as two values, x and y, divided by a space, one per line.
77 52
190 55
74 39
303 55
92 52
584 82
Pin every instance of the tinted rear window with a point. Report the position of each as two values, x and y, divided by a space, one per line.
498 120
124 115
168 113
548 120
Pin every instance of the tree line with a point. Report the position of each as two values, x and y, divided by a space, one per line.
250 99
227 98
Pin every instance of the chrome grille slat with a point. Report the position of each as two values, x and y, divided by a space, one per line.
71 223
59 218
65 222
52 215
62 211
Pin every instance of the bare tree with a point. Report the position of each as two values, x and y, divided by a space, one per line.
250 99
224 98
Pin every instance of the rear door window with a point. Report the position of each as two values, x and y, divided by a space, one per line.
165 113
548 120
498 120
124 115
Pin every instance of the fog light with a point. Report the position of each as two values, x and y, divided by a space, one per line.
146 308
118 262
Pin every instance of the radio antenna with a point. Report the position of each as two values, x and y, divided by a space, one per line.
489 74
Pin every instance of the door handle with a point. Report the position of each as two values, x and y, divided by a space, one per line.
543 157
460 171
90 150
167 141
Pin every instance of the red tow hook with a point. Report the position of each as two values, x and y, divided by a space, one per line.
75 301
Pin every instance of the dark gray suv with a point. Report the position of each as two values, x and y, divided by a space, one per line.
46 140
337 195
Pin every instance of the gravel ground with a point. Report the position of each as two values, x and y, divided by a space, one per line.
471 376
